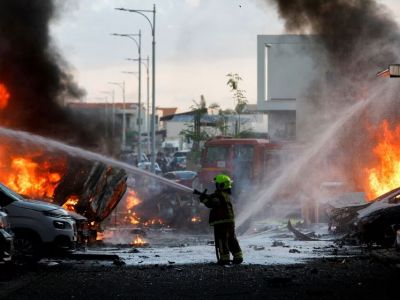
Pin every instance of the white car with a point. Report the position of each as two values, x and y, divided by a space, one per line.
38 227
147 166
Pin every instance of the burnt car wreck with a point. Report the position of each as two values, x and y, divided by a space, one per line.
365 223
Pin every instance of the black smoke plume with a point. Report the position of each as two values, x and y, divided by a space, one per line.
36 75
355 40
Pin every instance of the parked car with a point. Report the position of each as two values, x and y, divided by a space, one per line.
6 239
177 164
39 227
181 153
132 158
182 177
147 166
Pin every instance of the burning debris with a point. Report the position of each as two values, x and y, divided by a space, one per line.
138 241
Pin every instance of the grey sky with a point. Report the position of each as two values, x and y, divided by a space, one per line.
198 43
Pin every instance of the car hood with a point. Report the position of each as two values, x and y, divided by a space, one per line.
37 205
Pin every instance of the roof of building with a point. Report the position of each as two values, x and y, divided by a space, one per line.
167 111
99 105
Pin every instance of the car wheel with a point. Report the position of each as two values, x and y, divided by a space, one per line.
26 248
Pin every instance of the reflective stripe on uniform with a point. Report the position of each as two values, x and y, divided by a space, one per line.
238 255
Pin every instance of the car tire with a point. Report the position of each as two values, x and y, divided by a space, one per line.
27 248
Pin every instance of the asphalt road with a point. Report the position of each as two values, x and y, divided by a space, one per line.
352 278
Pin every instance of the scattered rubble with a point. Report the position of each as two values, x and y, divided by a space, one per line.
294 251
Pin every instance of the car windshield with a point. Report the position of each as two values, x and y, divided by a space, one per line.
7 196
186 175
216 153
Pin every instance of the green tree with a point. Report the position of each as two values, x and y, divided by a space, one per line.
239 97
194 132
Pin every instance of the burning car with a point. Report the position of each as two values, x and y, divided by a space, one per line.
375 222
89 188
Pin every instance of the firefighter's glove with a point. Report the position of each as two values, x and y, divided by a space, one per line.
202 198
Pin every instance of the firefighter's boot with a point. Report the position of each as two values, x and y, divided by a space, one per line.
223 259
237 258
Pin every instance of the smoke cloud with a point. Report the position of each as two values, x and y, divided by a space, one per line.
38 79
357 38
350 40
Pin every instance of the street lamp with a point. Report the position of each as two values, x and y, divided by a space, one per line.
139 47
122 86
153 59
146 63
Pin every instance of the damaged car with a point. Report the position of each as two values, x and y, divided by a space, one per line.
6 239
376 222
39 228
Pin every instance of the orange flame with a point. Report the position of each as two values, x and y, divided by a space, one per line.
196 219
30 171
138 241
100 236
4 96
385 175
71 202
31 178
155 221
131 201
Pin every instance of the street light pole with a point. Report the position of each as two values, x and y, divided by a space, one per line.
146 63
139 47
153 58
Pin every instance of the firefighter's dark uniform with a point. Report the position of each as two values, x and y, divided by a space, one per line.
222 218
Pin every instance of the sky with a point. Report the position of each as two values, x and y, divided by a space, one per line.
198 42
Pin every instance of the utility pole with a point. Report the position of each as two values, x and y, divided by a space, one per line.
143 12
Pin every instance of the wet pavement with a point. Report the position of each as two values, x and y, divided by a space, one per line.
333 278
183 266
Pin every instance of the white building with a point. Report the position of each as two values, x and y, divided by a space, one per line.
285 70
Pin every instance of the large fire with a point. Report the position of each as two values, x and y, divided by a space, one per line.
132 215
34 175
4 96
131 201
385 174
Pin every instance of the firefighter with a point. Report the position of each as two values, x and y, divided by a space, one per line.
223 220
